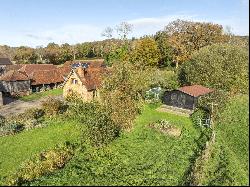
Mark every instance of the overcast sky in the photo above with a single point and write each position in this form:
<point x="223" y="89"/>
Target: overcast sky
<point x="39" y="22"/>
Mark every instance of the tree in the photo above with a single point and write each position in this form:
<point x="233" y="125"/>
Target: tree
<point x="166" y="50"/>
<point x="219" y="66"/>
<point x="108" y="32"/>
<point x="123" y="29"/>
<point x="187" y="37"/>
<point x="119" y="96"/>
<point x="25" y="55"/>
<point x="52" y="53"/>
<point x="66" y="53"/>
<point x="145" y="52"/>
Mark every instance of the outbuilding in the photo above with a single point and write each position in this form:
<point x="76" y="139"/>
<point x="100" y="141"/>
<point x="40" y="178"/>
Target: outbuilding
<point x="185" y="97"/>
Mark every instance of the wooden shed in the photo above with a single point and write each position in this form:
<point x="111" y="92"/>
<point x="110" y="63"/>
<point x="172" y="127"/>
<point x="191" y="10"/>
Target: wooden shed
<point x="185" y="97"/>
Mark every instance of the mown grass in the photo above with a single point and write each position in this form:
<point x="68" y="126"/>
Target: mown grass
<point x="38" y="95"/>
<point x="229" y="164"/>
<point x="143" y="156"/>
<point x="20" y="147"/>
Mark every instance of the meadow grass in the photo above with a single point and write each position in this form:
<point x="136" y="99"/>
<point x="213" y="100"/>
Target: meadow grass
<point x="143" y="156"/>
<point x="20" y="147"/>
<point x="229" y="163"/>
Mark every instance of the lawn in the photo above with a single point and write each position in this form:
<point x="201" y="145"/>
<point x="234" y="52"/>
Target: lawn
<point x="229" y="164"/>
<point x="38" y="95"/>
<point x="16" y="149"/>
<point x="143" y="156"/>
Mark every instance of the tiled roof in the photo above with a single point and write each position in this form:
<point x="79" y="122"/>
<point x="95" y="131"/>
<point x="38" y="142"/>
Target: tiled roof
<point x="91" y="77"/>
<point x="13" y="67"/>
<point x="46" y="77"/>
<point x="14" y="75"/>
<point x="64" y="70"/>
<point x="5" y="61"/>
<point x="195" y="90"/>
<point x="30" y="68"/>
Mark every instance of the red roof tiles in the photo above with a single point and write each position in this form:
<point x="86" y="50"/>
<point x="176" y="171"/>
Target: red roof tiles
<point x="14" y="75"/>
<point x="195" y="90"/>
<point x="90" y="77"/>
<point x="30" y="68"/>
<point x="46" y="77"/>
<point x="64" y="71"/>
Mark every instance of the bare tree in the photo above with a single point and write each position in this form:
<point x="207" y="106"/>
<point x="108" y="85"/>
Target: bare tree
<point x="108" y="32"/>
<point x="124" y="29"/>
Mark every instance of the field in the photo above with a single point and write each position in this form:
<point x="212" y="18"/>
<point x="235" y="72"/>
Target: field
<point x="38" y="95"/>
<point x="16" y="149"/>
<point x="229" y="164"/>
<point x="141" y="157"/>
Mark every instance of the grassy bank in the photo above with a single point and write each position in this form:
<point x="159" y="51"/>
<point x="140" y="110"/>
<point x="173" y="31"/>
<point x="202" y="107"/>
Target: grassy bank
<point x="229" y="163"/>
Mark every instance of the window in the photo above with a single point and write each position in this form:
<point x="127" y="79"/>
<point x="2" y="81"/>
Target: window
<point x="74" y="81"/>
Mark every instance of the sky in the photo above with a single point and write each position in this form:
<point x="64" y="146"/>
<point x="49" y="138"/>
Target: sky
<point x="38" y="22"/>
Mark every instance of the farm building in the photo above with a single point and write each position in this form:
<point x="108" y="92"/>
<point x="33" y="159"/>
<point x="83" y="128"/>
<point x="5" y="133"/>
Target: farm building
<point x="15" y="83"/>
<point x="3" y="63"/>
<point x="84" y="81"/>
<point x="39" y="76"/>
<point x="185" y="97"/>
<point x="42" y="76"/>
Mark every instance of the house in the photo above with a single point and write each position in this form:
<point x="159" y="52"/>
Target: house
<point x="15" y="83"/>
<point x="185" y="97"/>
<point x="84" y="81"/>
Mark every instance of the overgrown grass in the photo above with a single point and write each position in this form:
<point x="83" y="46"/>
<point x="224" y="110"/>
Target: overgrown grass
<point x="229" y="164"/>
<point x="18" y="148"/>
<point x="38" y="95"/>
<point x="141" y="157"/>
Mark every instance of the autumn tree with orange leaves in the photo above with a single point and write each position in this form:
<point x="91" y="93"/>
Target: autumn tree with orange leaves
<point x="186" y="37"/>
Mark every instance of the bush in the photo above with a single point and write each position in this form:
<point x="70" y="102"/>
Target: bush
<point x="223" y="67"/>
<point x="43" y="163"/>
<point x="98" y="127"/>
<point x="10" y="128"/>
<point x="31" y="118"/>
<point x="53" y="107"/>
<point x="197" y="115"/>
<point x="2" y="121"/>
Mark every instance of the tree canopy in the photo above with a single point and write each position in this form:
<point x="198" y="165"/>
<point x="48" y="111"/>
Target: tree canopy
<point x="220" y="66"/>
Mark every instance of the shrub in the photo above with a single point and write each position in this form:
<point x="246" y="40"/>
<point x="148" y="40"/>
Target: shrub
<point x="43" y="163"/>
<point x="31" y="118"/>
<point x="10" y="128"/>
<point x="53" y="107"/>
<point x="101" y="129"/>
<point x="197" y="115"/>
<point x="2" y="121"/>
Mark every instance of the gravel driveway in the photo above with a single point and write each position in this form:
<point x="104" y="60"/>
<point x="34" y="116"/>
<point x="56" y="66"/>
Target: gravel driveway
<point x="18" y="106"/>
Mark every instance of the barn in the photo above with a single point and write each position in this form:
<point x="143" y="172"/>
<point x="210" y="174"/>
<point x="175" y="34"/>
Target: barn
<point x="185" y="97"/>
<point x="15" y="83"/>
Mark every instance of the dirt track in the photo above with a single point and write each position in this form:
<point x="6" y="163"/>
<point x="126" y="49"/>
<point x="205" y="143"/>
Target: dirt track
<point x="18" y="106"/>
